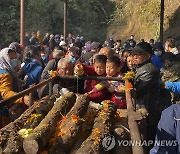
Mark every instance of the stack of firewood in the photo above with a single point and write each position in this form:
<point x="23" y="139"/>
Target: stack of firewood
<point x="66" y="125"/>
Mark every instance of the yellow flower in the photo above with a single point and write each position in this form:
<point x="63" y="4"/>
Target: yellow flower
<point x="24" y="132"/>
<point x="129" y="75"/>
<point x="53" y="73"/>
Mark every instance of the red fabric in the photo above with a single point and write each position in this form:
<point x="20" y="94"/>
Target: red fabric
<point x="121" y="103"/>
<point x="50" y="56"/>
<point x="99" y="96"/>
<point x="90" y="84"/>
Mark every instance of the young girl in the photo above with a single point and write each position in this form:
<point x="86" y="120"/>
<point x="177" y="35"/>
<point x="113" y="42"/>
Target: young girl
<point x="129" y="62"/>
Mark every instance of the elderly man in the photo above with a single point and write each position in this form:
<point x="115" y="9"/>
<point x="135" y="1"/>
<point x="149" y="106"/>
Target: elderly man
<point x="62" y="86"/>
<point x="147" y="85"/>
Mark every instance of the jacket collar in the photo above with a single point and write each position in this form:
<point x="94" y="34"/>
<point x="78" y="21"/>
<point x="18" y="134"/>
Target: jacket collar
<point x="148" y="61"/>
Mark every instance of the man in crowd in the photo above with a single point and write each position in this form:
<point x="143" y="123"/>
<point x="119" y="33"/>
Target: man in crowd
<point x="147" y="85"/>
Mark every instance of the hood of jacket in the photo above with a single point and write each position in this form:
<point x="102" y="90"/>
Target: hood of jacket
<point x="29" y="66"/>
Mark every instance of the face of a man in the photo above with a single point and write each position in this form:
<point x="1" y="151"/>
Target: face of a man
<point x="65" y="69"/>
<point x="139" y="58"/>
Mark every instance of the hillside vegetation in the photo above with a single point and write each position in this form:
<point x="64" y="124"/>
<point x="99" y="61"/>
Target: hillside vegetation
<point x="142" y="18"/>
<point x="94" y="19"/>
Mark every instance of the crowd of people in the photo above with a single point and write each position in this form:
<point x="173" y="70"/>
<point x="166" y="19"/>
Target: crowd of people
<point x="156" y="67"/>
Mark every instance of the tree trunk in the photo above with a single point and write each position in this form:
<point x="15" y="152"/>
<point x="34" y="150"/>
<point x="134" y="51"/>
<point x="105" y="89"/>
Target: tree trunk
<point x="40" y="136"/>
<point x="101" y="129"/>
<point x="7" y="131"/>
<point x="89" y="117"/>
<point x="15" y="140"/>
<point x="70" y="128"/>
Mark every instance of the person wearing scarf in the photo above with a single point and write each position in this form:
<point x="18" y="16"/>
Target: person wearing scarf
<point x="9" y="83"/>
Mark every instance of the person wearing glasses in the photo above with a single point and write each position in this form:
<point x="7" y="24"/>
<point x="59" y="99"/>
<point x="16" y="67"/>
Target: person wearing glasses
<point x="147" y="85"/>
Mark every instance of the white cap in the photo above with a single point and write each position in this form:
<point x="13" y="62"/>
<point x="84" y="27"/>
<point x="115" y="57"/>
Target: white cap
<point x="62" y="43"/>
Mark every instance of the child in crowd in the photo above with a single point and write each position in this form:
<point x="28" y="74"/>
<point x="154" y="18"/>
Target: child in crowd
<point x="113" y="67"/>
<point x="97" y="69"/>
<point x="129" y="62"/>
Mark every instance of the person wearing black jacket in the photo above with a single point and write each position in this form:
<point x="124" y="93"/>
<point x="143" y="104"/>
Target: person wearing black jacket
<point x="146" y="82"/>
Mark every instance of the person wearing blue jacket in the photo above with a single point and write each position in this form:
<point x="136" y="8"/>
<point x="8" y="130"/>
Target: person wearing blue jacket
<point x="173" y="87"/>
<point x="168" y="133"/>
<point x="156" y="57"/>
<point x="32" y="68"/>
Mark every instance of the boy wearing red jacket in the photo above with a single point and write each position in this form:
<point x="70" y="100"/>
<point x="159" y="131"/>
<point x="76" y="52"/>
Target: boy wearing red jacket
<point x="97" y="69"/>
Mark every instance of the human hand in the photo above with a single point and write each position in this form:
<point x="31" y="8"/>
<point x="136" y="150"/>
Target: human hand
<point x="78" y="70"/>
<point x="107" y="84"/>
<point x="88" y="93"/>
<point x="143" y="112"/>
<point x="53" y="73"/>
<point x="26" y="100"/>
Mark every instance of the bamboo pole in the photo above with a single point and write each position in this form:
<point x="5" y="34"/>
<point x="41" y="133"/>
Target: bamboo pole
<point x="35" y="87"/>
<point x="24" y="92"/>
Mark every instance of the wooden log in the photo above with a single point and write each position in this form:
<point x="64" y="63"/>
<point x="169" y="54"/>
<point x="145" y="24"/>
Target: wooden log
<point x="40" y="112"/>
<point x="40" y="136"/>
<point x="69" y="129"/>
<point x="6" y="132"/>
<point x="89" y="117"/>
<point x="15" y="140"/>
<point x="101" y="129"/>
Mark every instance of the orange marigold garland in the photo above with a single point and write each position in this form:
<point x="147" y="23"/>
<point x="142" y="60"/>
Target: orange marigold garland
<point x="128" y="86"/>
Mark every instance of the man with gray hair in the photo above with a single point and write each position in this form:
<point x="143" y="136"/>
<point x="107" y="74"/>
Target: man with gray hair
<point x="62" y="86"/>
<point x="52" y="64"/>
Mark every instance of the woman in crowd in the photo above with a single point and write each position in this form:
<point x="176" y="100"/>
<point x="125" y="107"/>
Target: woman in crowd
<point x="9" y="86"/>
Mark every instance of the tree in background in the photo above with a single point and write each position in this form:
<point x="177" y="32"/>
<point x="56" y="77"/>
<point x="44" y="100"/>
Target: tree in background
<point x="88" y="18"/>
<point x="9" y="22"/>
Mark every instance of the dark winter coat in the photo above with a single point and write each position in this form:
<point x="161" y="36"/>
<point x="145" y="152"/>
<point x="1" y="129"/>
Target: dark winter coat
<point x="147" y="81"/>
